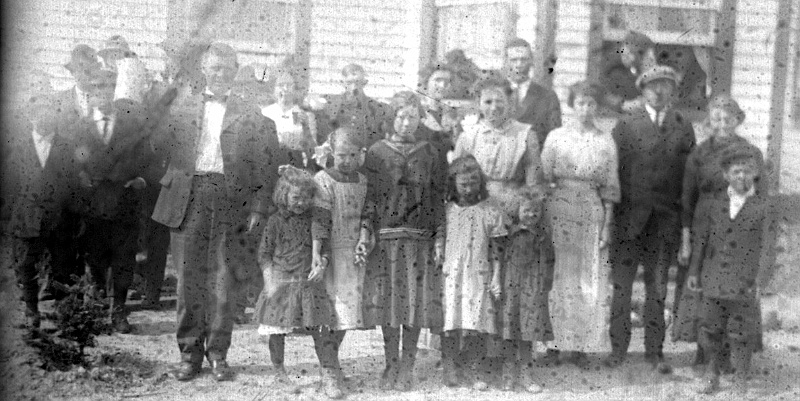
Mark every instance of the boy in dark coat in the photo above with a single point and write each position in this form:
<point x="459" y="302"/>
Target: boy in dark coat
<point x="38" y="180"/>
<point x="728" y="236"/>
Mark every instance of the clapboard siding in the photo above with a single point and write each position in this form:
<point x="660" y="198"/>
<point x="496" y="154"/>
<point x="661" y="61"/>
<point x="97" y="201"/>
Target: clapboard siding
<point x="527" y="12"/>
<point x="372" y="33"/>
<point x="753" y="66"/>
<point x="572" y="45"/>
<point x="49" y="29"/>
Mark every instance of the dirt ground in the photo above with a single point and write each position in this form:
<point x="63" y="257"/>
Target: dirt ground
<point x="137" y="366"/>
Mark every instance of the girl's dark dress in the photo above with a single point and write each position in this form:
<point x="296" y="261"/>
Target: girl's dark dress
<point x="405" y="203"/>
<point x="289" y="302"/>
<point x="524" y="312"/>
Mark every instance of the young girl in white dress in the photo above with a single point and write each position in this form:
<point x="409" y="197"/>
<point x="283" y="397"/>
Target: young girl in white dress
<point x="472" y="253"/>
<point x="338" y="226"/>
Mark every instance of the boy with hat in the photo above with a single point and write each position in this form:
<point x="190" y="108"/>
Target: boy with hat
<point x="728" y="233"/>
<point x="654" y="143"/>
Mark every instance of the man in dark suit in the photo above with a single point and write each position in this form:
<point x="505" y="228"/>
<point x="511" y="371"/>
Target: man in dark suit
<point x="218" y="187"/>
<point x="653" y="144"/>
<point x="535" y="104"/>
<point x="112" y="157"/>
<point x="355" y="109"/>
<point x="38" y="181"/>
<point x="71" y="105"/>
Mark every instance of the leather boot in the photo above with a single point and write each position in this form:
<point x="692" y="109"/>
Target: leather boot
<point x="509" y="374"/>
<point x="391" y="345"/>
<point x="405" y="380"/>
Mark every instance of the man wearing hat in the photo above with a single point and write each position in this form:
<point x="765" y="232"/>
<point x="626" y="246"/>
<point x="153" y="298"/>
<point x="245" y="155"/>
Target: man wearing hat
<point x="74" y="102"/>
<point x="654" y="143"/>
<point x="631" y="57"/>
<point x="70" y="105"/>
<point x="112" y="162"/>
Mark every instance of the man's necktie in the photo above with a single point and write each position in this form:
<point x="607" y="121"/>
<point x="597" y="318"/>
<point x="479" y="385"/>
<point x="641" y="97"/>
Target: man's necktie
<point x="106" y="132"/>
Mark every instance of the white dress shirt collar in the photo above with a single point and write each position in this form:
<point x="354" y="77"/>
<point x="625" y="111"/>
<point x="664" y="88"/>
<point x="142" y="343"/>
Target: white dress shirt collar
<point x="82" y="99"/>
<point x="43" y="144"/>
<point x="105" y="124"/>
<point x="653" y="113"/>
<point x="738" y="200"/>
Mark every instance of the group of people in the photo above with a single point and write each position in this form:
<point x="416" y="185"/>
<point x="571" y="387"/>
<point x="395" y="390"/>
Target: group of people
<point x="495" y="230"/>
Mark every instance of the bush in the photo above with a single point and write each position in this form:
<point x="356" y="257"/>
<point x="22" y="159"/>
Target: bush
<point x="78" y="321"/>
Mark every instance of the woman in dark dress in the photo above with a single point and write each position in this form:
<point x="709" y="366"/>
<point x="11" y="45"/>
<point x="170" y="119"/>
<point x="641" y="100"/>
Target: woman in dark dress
<point x="702" y="179"/>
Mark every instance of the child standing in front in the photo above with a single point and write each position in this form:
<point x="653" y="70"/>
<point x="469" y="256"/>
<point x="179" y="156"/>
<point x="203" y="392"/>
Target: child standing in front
<point x="472" y="255"/>
<point x="728" y="233"/>
<point x="524" y="314"/>
<point x="403" y="288"/>
<point x="338" y="226"/>
<point x="294" y="298"/>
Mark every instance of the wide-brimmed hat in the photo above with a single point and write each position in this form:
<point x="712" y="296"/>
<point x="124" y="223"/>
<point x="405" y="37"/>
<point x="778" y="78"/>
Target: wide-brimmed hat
<point x="658" y="72"/>
<point x="82" y="58"/>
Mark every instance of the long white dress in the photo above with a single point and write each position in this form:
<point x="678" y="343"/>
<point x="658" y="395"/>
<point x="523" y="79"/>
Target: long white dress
<point x="468" y="304"/>
<point x="344" y="280"/>
<point x="584" y="169"/>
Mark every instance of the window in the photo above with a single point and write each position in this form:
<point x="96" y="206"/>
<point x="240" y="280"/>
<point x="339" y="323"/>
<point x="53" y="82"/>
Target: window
<point x="684" y="22"/>
<point x="693" y="36"/>
<point x="479" y="27"/>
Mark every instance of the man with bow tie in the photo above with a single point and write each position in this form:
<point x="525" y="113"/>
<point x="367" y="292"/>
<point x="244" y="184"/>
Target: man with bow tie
<point x="216" y="191"/>
<point x="111" y="157"/>
<point x="653" y="144"/>
<point x="38" y="181"/>
<point x="535" y="104"/>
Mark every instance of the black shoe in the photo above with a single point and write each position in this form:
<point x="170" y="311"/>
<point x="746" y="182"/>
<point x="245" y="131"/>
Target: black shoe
<point x="220" y="370"/>
<point x="32" y="318"/>
<point x="614" y="359"/>
<point x="551" y="358"/>
<point x="659" y="363"/>
<point x="187" y="371"/>
<point x="121" y="325"/>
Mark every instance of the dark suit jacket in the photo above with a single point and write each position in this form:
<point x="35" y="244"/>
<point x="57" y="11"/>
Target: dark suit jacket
<point x="541" y="109"/>
<point x="36" y="196"/>
<point x="250" y="160"/>
<point x="110" y="166"/>
<point x="651" y="168"/>
<point x="726" y="252"/>
<point x="366" y="115"/>
<point x="65" y="103"/>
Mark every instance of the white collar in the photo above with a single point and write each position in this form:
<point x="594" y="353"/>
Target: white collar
<point x="653" y="113"/>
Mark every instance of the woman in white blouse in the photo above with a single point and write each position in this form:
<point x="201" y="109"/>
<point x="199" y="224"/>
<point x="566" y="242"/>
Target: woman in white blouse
<point x="297" y="128"/>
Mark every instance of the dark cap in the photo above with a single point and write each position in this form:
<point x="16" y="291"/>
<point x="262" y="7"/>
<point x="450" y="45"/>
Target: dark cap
<point x="738" y="153"/>
<point x="638" y="40"/>
<point x="82" y="59"/>
<point x="658" y="72"/>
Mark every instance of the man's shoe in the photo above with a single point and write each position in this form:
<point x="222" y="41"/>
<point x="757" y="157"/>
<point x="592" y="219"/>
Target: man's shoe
<point x="659" y="363"/>
<point x="121" y="325"/>
<point x="220" y="370"/>
<point x="709" y="384"/>
<point x="187" y="371"/>
<point x="614" y="359"/>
